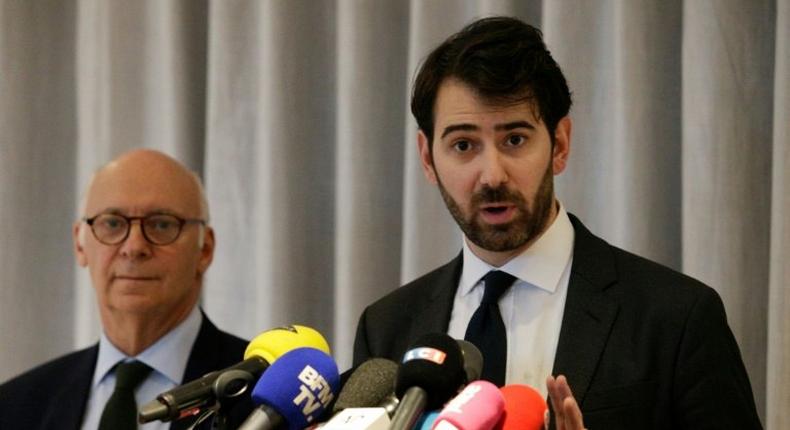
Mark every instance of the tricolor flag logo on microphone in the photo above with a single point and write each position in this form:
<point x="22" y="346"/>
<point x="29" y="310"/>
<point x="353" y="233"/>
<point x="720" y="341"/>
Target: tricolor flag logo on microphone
<point x="425" y="353"/>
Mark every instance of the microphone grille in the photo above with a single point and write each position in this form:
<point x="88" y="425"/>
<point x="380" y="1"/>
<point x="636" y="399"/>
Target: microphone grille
<point x="368" y="385"/>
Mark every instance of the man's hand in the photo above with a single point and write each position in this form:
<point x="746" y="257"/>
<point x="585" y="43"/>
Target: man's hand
<point x="566" y="410"/>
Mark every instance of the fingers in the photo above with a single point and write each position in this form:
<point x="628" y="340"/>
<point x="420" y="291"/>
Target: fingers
<point x="546" y="420"/>
<point x="566" y="410"/>
<point x="558" y="390"/>
<point x="572" y="415"/>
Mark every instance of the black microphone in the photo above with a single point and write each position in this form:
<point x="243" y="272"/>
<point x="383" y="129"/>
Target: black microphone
<point x="473" y="360"/>
<point x="431" y="372"/>
<point x="193" y="397"/>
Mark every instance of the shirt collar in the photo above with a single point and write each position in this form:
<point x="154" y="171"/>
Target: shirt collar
<point x="167" y="356"/>
<point x="540" y="265"/>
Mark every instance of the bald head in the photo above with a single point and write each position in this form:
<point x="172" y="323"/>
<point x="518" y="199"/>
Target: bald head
<point x="150" y="166"/>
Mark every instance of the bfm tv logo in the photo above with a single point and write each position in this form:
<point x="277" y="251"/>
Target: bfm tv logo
<point x="425" y="353"/>
<point x="314" y="393"/>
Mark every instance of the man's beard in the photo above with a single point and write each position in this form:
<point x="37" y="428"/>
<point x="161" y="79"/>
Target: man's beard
<point x="525" y="226"/>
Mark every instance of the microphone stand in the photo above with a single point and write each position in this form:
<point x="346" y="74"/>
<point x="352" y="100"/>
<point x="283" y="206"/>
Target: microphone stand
<point x="228" y="389"/>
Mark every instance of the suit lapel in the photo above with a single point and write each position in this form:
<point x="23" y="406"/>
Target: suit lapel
<point x="70" y="394"/>
<point x="203" y="359"/>
<point x="433" y="315"/>
<point x="589" y="313"/>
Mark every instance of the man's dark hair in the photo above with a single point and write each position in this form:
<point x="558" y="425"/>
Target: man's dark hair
<point x="504" y="60"/>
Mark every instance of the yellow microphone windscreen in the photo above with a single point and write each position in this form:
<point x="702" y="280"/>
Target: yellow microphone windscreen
<point x="271" y="344"/>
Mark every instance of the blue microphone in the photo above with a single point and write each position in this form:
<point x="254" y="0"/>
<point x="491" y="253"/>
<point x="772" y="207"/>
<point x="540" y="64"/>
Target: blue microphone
<point x="294" y="391"/>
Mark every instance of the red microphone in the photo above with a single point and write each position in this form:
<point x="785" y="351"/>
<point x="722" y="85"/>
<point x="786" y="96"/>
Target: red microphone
<point x="524" y="408"/>
<point x="479" y="406"/>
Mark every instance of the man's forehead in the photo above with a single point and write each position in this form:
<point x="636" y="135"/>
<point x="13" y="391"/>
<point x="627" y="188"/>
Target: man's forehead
<point x="457" y="101"/>
<point x="137" y="192"/>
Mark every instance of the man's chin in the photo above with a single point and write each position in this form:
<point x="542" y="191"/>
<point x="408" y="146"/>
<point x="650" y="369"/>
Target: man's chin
<point x="499" y="239"/>
<point x="133" y="304"/>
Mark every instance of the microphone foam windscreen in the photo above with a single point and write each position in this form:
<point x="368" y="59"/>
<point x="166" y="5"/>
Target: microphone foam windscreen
<point x="299" y="386"/>
<point x="473" y="360"/>
<point x="479" y="406"/>
<point x="433" y="363"/>
<point x="524" y="408"/>
<point x="271" y="344"/>
<point x="368" y="386"/>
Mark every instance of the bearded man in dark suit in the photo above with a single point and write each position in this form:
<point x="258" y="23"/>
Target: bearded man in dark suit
<point x="641" y="345"/>
<point x="145" y="239"/>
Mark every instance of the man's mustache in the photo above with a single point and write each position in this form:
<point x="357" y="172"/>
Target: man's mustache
<point x="500" y="194"/>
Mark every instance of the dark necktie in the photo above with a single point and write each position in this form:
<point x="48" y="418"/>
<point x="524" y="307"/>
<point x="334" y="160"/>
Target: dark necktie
<point x="487" y="330"/>
<point x="120" y="412"/>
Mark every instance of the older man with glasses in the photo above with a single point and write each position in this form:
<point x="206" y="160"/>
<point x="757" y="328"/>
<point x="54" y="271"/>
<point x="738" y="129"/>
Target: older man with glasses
<point x="145" y="239"/>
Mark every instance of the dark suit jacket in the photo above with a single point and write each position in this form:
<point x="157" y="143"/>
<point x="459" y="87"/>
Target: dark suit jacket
<point x="54" y="395"/>
<point x="642" y="346"/>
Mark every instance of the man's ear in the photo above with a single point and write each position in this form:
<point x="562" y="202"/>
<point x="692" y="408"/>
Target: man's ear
<point x="426" y="158"/>
<point x="76" y="237"/>
<point x="206" y="250"/>
<point x="562" y="145"/>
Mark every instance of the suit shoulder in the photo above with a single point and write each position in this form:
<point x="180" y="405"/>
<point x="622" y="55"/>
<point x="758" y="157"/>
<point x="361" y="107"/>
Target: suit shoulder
<point x="47" y="372"/>
<point x="633" y="266"/>
<point x="31" y="390"/>
<point x="414" y="292"/>
<point x="657" y="285"/>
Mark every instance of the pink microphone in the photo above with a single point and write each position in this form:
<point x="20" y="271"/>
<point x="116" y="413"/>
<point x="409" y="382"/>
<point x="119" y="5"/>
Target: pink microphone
<point x="524" y="408"/>
<point x="479" y="406"/>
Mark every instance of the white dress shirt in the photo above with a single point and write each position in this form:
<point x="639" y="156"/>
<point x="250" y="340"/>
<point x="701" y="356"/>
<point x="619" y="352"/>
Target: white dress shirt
<point x="532" y="308"/>
<point x="167" y="357"/>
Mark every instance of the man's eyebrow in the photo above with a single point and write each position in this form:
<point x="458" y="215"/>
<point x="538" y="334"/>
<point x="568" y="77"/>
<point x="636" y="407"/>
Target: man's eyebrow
<point x="458" y="127"/>
<point x="514" y="125"/>
<point x="499" y="127"/>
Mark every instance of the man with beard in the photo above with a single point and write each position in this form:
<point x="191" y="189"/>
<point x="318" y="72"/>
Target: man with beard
<point x="642" y="346"/>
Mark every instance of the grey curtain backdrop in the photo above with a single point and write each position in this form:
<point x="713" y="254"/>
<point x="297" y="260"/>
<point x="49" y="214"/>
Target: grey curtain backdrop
<point x="296" y="115"/>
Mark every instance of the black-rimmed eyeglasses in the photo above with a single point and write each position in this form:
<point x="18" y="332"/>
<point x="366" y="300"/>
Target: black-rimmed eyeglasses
<point x="158" y="229"/>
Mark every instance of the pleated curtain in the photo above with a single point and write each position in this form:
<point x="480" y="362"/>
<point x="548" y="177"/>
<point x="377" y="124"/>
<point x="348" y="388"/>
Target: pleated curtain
<point x="295" y="113"/>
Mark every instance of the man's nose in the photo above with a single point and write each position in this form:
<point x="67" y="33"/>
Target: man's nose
<point x="493" y="172"/>
<point x="136" y="245"/>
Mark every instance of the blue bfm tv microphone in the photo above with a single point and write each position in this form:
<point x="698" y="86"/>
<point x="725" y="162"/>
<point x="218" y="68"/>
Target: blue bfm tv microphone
<point x="294" y="391"/>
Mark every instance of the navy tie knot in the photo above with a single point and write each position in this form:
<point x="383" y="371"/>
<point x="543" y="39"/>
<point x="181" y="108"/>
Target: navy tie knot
<point x="496" y="283"/>
<point x="128" y="375"/>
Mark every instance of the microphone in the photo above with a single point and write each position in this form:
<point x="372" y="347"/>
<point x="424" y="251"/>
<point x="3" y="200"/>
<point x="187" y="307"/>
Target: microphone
<point x="191" y="398"/>
<point x="478" y="407"/>
<point x="431" y="372"/>
<point x="294" y="391"/>
<point x="524" y="408"/>
<point x="473" y="360"/>
<point x="372" y="384"/>
<point x="363" y="401"/>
